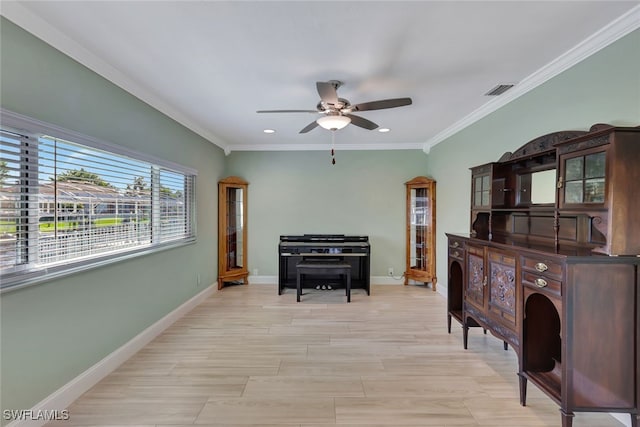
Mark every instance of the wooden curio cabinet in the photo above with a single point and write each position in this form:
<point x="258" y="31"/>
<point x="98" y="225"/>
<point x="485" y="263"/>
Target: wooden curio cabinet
<point x="421" y="224"/>
<point x="232" y="231"/>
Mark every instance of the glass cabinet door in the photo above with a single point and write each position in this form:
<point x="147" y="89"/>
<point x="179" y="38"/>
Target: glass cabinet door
<point x="481" y="191"/>
<point x="584" y="179"/>
<point x="235" y="228"/>
<point x="419" y="225"/>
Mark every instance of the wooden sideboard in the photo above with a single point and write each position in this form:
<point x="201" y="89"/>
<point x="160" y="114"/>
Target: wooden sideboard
<point x="555" y="272"/>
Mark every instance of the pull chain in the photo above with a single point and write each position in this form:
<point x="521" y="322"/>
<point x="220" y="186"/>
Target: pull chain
<point x="333" y="151"/>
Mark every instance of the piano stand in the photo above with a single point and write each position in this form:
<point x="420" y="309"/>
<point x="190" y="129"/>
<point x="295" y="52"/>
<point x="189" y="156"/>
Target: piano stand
<point x="323" y="268"/>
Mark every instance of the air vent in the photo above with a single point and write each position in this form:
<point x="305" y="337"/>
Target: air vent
<point x="499" y="90"/>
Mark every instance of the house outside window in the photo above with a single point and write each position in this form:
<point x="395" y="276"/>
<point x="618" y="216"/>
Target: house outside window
<point x="64" y="205"/>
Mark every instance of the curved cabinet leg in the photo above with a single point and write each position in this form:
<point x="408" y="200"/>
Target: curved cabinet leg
<point x="522" y="382"/>
<point x="465" y="335"/>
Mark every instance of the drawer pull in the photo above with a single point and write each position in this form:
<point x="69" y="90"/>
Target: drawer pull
<point x="456" y="244"/>
<point x="456" y="254"/>
<point x="540" y="282"/>
<point x="541" y="267"/>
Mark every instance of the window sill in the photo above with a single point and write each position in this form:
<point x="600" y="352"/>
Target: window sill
<point x="30" y="278"/>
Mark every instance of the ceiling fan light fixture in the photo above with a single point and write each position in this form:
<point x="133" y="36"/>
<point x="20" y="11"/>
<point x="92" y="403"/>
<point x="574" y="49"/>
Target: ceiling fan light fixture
<point x="333" y="122"/>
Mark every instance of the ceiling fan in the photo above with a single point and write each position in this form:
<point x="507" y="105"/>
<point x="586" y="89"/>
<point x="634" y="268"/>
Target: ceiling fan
<point x="337" y="112"/>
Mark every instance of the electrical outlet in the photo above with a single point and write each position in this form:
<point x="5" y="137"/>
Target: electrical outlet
<point x="390" y="271"/>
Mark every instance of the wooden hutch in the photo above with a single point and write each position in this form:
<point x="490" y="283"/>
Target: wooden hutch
<point x="551" y="266"/>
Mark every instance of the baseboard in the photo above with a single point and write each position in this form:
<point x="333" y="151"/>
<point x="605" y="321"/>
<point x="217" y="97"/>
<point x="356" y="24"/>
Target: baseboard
<point x="263" y="280"/>
<point x="387" y="280"/>
<point x="67" y="394"/>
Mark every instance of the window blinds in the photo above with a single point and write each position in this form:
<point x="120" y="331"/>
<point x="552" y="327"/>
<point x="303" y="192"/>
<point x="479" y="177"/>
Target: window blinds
<point x="63" y="202"/>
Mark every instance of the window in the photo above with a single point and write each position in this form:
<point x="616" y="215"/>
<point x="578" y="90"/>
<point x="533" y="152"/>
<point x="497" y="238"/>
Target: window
<point x="65" y="205"/>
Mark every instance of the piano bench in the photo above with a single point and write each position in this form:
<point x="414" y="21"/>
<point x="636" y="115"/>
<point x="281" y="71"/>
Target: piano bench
<point x="323" y="268"/>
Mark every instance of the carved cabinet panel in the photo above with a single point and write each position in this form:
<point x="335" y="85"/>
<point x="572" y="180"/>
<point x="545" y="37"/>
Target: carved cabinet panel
<point x="476" y="279"/>
<point x="502" y="287"/>
<point x="491" y="292"/>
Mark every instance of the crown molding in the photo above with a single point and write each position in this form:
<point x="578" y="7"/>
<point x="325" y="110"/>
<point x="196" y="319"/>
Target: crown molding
<point x="614" y="31"/>
<point x="21" y="16"/>
<point x="324" y="147"/>
<point x="17" y="13"/>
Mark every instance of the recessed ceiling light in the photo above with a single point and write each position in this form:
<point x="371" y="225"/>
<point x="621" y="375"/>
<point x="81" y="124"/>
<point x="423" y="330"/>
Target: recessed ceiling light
<point x="384" y="130"/>
<point x="269" y="131"/>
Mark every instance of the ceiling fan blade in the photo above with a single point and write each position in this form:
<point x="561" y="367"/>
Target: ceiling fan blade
<point x="309" y="127"/>
<point x="287" y="111"/>
<point x="327" y="92"/>
<point x="382" y="104"/>
<point x="362" y="122"/>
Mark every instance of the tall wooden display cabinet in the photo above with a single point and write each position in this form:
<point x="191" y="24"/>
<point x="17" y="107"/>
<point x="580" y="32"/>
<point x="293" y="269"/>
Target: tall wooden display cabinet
<point x="421" y="231"/>
<point x="232" y="231"/>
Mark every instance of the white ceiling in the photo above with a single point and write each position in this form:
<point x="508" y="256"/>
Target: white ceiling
<point x="211" y="64"/>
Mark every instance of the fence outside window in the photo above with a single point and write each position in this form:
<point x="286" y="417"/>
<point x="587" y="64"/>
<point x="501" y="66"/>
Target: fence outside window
<point x="65" y="202"/>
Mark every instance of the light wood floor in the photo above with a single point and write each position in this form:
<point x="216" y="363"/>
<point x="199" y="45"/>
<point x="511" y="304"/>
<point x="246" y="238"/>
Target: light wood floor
<point x="247" y="356"/>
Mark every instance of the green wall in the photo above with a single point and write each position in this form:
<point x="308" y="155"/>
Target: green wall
<point x="604" y="88"/>
<point x="52" y="332"/>
<point x="302" y="192"/>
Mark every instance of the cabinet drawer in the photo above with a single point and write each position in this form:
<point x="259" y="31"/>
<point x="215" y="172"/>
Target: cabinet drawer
<point x="456" y="243"/>
<point x="543" y="267"/>
<point x="504" y="258"/>
<point x="457" y="253"/>
<point x="541" y="283"/>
